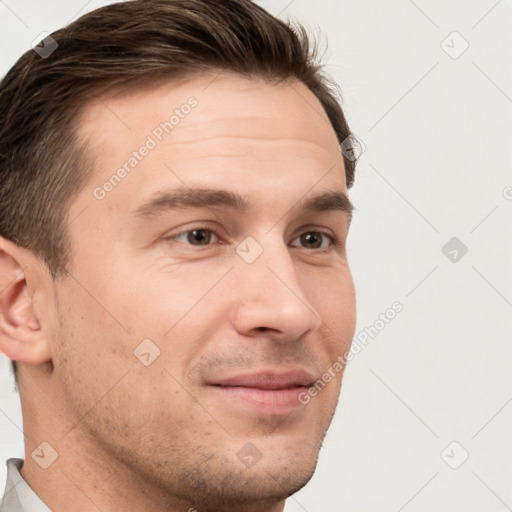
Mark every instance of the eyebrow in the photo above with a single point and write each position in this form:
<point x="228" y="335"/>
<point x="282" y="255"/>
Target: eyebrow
<point x="186" y="197"/>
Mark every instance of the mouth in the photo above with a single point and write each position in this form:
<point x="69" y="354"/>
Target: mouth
<point x="268" y="392"/>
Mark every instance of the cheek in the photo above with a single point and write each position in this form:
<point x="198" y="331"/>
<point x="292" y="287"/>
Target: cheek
<point x="159" y="300"/>
<point x="93" y="349"/>
<point x="103" y="384"/>
<point x="179" y="310"/>
<point x="334" y="300"/>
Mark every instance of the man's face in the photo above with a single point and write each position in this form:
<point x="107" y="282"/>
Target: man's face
<point x="241" y="310"/>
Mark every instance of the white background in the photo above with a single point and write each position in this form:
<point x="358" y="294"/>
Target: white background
<point x="437" y="161"/>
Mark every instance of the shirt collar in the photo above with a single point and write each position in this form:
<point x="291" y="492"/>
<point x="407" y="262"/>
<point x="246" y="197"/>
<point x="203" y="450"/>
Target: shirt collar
<point x="19" y="497"/>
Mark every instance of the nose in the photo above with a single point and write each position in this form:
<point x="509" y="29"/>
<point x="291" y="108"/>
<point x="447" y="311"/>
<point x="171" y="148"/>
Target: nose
<point x="270" y="297"/>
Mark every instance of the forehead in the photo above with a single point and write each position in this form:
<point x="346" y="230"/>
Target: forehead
<point x="224" y="129"/>
<point x="225" y="105"/>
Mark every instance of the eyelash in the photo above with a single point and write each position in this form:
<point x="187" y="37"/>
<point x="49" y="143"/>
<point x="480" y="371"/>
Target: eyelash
<point x="333" y="239"/>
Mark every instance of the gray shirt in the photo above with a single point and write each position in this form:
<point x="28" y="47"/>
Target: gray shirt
<point x="18" y="496"/>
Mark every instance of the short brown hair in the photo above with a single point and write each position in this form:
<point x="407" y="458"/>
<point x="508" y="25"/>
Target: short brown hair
<point x="127" y="45"/>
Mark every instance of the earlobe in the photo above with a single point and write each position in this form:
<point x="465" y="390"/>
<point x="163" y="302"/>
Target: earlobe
<point x="21" y="336"/>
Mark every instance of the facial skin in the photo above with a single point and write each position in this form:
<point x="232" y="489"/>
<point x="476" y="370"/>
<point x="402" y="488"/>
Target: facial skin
<point x="166" y="436"/>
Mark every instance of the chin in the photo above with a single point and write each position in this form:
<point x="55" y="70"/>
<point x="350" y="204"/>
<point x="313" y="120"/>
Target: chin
<point x="280" y="473"/>
<point x="262" y="489"/>
<point x="224" y="482"/>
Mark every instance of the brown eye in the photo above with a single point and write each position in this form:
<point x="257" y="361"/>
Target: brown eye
<point x="195" y="236"/>
<point x="312" y="240"/>
<point x="315" y="240"/>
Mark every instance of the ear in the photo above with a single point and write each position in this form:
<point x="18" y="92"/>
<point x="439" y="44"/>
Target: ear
<point x="21" y="336"/>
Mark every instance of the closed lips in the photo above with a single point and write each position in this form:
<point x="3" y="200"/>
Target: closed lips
<point x="269" y="380"/>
